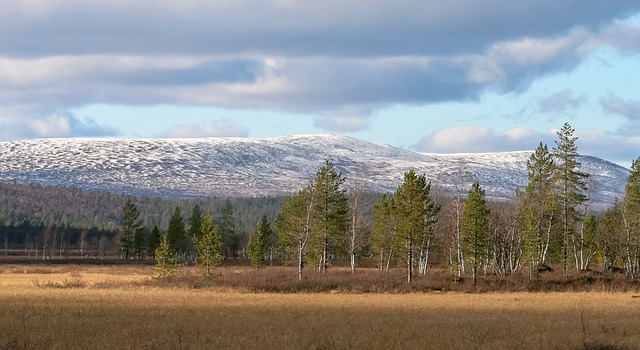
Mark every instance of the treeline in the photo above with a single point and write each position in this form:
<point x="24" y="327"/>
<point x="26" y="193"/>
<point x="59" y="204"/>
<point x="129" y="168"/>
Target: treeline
<point x="549" y="224"/>
<point x="29" y="212"/>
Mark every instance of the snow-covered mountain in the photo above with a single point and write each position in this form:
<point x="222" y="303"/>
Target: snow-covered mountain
<point x="239" y="167"/>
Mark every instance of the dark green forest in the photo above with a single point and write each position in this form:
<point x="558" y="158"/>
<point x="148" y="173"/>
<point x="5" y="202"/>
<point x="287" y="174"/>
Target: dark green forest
<point x="28" y="211"/>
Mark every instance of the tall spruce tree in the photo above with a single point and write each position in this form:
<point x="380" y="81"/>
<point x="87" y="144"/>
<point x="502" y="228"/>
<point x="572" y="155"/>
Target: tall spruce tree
<point x="176" y="234"/>
<point x="195" y="222"/>
<point x="414" y="209"/>
<point x="537" y="207"/>
<point x="227" y="228"/>
<point x="153" y="241"/>
<point x="571" y="186"/>
<point x="131" y="224"/>
<point x="631" y="218"/>
<point x="475" y="229"/>
<point x="259" y="242"/>
<point x="330" y="215"/>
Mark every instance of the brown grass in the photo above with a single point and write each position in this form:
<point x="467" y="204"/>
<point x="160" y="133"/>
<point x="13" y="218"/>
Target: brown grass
<point x="125" y="308"/>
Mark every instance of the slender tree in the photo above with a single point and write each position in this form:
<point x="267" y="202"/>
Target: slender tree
<point x="166" y="258"/>
<point x="537" y="210"/>
<point x="383" y="236"/>
<point x="259" y="242"/>
<point x="176" y="234"/>
<point x="209" y="245"/>
<point x="294" y="224"/>
<point x="415" y="213"/>
<point x="330" y="214"/>
<point x="475" y="229"/>
<point x="631" y="219"/>
<point x="153" y="241"/>
<point x="195" y="222"/>
<point x="131" y="224"/>
<point x="227" y="228"/>
<point x="357" y="234"/>
<point x="570" y="188"/>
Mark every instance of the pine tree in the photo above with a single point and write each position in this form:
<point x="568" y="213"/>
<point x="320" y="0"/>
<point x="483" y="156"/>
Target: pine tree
<point x="330" y="215"/>
<point x="176" y="234"/>
<point x="259" y="243"/>
<point x="415" y="212"/>
<point x="227" y="228"/>
<point x="294" y="225"/>
<point x="570" y="188"/>
<point x="475" y="229"/>
<point x="130" y="225"/>
<point x="138" y="243"/>
<point x="209" y="245"/>
<point x="537" y="209"/>
<point x="631" y="217"/>
<point x="195" y="222"/>
<point x="153" y="241"/>
<point x="166" y="258"/>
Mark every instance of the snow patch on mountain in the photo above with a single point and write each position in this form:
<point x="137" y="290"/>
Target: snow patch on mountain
<point x="240" y="167"/>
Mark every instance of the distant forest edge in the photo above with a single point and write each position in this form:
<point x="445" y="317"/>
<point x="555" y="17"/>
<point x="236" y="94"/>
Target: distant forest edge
<point x="29" y="210"/>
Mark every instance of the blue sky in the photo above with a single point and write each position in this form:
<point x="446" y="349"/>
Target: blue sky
<point x="430" y="76"/>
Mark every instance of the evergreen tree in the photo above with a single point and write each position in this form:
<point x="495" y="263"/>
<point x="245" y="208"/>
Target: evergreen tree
<point x="631" y="217"/>
<point x="384" y="231"/>
<point x="475" y="229"/>
<point x="166" y="258"/>
<point x="294" y="225"/>
<point x="195" y="222"/>
<point x="259" y="243"/>
<point x="570" y="188"/>
<point x="330" y="214"/>
<point x="176" y="234"/>
<point x="138" y="243"/>
<point x="209" y="244"/>
<point x="415" y="212"/>
<point x="227" y="228"/>
<point x="130" y="225"/>
<point x="153" y="241"/>
<point x="536" y="208"/>
<point x="611" y="235"/>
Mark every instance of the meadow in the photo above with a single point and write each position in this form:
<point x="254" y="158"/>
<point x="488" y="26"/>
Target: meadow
<point x="125" y="307"/>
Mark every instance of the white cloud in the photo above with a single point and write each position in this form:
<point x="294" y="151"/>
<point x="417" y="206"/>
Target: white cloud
<point x="471" y="138"/>
<point x="52" y="126"/>
<point x="215" y="129"/>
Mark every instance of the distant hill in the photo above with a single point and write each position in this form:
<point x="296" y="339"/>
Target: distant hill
<point x="248" y="167"/>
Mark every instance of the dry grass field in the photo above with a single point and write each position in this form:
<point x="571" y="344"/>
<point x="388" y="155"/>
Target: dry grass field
<point x="95" y="307"/>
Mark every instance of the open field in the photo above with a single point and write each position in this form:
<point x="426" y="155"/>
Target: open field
<point x="81" y="307"/>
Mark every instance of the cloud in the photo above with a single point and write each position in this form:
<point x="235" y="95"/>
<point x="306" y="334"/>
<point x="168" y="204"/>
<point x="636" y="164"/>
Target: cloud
<point x="608" y="146"/>
<point x="321" y="58"/>
<point x="470" y="138"/>
<point x="285" y="28"/>
<point x="215" y="129"/>
<point x="66" y="125"/>
<point x="630" y="109"/>
<point x="560" y="102"/>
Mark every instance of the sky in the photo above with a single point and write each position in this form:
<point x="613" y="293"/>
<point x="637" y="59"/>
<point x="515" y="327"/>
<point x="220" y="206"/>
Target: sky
<point x="424" y="75"/>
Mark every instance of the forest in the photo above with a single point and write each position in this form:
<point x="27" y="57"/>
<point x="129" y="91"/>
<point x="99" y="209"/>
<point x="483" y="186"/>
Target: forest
<point x="333" y="222"/>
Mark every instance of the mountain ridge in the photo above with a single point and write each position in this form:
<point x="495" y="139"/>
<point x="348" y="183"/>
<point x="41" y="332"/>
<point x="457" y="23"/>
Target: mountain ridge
<point x="249" y="167"/>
